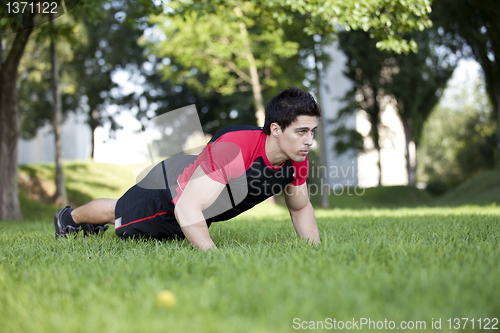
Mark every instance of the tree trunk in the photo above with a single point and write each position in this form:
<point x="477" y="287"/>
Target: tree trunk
<point x="322" y="143"/>
<point x="60" y="197"/>
<point x="260" y="113"/>
<point x="379" y="164"/>
<point x="93" y="122"/>
<point x="415" y="163"/>
<point x="498" y="123"/>
<point x="410" y="169"/>
<point x="254" y="74"/>
<point x="322" y="160"/>
<point x="374" y="133"/>
<point x="92" y="144"/>
<point x="10" y="208"/>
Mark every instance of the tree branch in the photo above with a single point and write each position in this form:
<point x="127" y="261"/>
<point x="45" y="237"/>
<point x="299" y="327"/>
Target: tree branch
<point x="232" y="66"/>
<point x="1" y="48"/>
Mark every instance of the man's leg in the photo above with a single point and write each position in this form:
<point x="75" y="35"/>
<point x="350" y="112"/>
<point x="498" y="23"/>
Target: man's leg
<point x="98" y="211"/>
<point x="90" y="217"/>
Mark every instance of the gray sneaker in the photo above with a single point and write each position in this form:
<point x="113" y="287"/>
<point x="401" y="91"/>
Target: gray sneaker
<point x="61" y="229"/>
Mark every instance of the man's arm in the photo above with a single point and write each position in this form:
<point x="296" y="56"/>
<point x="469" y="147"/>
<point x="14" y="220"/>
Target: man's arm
<point x="302" y="213"/>
<point x="199" y="194"/>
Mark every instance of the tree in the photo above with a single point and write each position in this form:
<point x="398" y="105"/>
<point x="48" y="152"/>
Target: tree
<point x="227" y="39"/>
<point x="238" y="42"/>
<point x="61" y="198"/>
<point x="102" y="49"/>
<point x="41" y="95"/>
<point x="417" y="83"/>
<point x="460" y="139"/>
<point x="475" y="25"/>
<point x="366" y="67"/>
<point x="109" y="45"/>
<point x="9" y="112"/>
<point x="9" y="120"/>
<point x="234" y="46"/>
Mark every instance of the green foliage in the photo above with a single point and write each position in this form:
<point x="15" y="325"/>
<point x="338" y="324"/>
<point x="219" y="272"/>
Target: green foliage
<point x="35" y="78"/>
<point x="90" y="49"/>
<point x="414" y="80"/>
<point x="27" y="18"/>
<point x="209" y="37"/>
<point x="437" y="187"/>
<point x="474" y="24"/>
<point x="110" y="45"/>
<point x="348" y="139"/>
<point x="187" y="82"/>
<point x="214" y="43"/>
<point x="477" y="151"/>
<point x="388" y="20"/>
<point x="459" y="137"/>
<point x="418" y="79"/>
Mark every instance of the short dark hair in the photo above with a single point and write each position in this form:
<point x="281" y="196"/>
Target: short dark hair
<point x="285" y="107"/>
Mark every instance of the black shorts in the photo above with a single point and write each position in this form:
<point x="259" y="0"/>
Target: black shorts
<point x="143" y="213"/>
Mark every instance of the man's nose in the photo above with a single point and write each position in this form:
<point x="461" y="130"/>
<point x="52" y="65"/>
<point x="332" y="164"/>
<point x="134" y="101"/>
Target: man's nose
<point x="309" y="138"/>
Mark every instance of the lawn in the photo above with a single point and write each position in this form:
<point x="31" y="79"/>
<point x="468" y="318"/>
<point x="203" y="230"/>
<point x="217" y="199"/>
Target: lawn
<point x="400" y="264"/>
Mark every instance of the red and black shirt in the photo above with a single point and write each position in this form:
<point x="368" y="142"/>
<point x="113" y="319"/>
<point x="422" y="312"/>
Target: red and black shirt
<point x="236" y="157"/>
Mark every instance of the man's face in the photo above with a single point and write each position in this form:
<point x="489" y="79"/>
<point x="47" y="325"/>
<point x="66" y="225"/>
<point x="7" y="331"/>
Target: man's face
<point x="297" y="138"/>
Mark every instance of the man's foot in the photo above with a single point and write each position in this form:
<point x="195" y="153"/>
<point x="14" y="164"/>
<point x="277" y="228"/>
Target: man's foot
<point x="61" y="229"/>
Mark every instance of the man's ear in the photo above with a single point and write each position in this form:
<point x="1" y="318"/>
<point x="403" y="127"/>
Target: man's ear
<point x="275" y="129"/>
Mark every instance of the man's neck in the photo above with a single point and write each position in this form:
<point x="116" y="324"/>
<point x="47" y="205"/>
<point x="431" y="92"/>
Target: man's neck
<point x="273" y="152"/>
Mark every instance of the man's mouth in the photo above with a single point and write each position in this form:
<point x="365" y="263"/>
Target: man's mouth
<point x="305" y="151"/>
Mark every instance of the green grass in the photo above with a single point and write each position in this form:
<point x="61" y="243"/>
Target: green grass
<point x="413" y="263"/>
<point x="87" y="180"/>
<point x="380" y="197"/>
<point x="483" y="189"/>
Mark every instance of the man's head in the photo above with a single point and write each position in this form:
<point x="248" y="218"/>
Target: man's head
<point x="285" y="107"/>
<point x="291" y="121"/>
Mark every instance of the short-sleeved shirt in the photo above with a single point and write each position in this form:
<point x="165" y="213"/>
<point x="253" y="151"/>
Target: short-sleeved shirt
<point x="235" y="157"/>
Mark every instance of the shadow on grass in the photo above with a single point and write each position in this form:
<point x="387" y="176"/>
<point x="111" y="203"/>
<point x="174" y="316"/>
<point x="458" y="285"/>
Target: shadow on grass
<point x="41" y="171"/>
